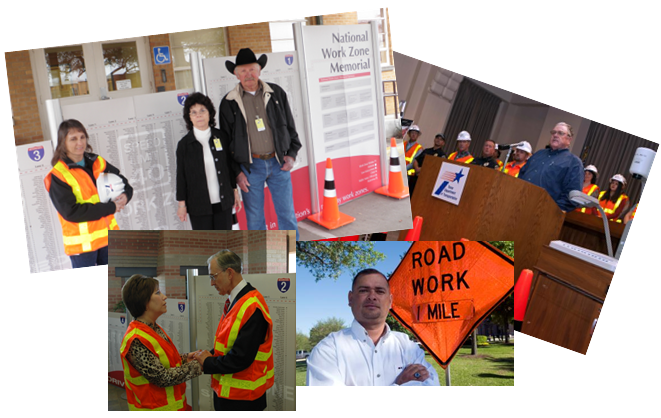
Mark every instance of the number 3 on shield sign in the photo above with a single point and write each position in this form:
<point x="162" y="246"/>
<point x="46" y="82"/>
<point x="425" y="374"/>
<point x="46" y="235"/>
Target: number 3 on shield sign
<point x="283" y="284"/>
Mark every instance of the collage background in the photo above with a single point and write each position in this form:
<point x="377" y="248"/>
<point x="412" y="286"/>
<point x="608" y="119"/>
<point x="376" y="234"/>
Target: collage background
<point x="594" y="59"/>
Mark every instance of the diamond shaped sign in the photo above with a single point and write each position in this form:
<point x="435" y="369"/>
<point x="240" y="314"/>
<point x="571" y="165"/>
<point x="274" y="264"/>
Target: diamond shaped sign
<point x="442" y="290"/>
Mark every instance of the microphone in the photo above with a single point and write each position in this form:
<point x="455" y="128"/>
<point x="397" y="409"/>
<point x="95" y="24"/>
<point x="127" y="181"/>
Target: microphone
<point x="508" y="146"/>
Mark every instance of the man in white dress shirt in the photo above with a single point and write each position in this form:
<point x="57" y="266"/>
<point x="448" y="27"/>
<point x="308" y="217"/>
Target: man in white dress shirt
<point x="369" y="353"/>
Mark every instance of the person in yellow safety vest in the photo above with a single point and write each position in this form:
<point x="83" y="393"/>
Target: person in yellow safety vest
<point x="71" y="185"/>
<point x="462" y="154"/>
<point x="155" y="374"/>
<point x="629" y="216"/>
<point x="614" y="201"/>
<point x="590" y="187"/>
<point x="412" y="149"/>
<point x="241" y="361"/>
<point x="521" y="155"/>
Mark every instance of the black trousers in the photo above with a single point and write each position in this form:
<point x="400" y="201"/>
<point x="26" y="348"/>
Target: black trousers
<point x="222" y="404"/>
<point x="219" y="219"/>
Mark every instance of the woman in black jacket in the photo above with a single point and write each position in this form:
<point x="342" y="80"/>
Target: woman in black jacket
<point x="206" y="179"/>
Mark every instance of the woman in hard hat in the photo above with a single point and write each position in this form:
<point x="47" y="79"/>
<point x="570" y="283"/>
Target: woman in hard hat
<point x="590" y="187"/>
<point x="206" y="184"/>
<point x="154" y="371"/>
<point x="614" y="201"/>
<point x="72" y="187"/>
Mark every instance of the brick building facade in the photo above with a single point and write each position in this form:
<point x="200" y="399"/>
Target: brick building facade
<point x="24" y="91"/>
<point x="168" y="251"/>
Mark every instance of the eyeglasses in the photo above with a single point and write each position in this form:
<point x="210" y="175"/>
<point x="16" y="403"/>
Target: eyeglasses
<point x="215" y="276"/>
<point x="560" y="133"/>
<point x="201" y="112"/>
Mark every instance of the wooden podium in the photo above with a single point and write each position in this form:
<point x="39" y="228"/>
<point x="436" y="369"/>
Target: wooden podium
<point x="494" y="207"/>
<point x="565" y="300"/>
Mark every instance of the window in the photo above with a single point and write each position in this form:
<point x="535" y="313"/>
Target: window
<point x="121" y="65"/>
<point x="89" y="72"/>
<point x="209" y="43"/>
<point x="365" y="16"/>
<point x="282" y="35"/>
<point x="65" y="67"/>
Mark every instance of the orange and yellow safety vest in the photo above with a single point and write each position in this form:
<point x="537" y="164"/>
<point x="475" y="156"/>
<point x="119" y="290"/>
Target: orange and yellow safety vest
<point x="251" y="383"/>
<point x="611" y="208"/>
<point x="82" y="237"/>
<point x="513" y="170"/>
<point x="140" y="393"/>
<point x="408" y="156"/>
<point x="589" y="190"/>
<point x="468" y="159"/>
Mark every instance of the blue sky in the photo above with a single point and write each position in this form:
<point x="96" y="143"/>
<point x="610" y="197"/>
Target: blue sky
<point x="327" y="298"/>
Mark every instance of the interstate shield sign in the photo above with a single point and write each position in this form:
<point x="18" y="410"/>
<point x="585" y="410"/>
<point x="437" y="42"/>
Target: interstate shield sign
<point x="442" y="290"/>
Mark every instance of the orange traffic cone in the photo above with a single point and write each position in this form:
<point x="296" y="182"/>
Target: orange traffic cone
<point x="395" y="187"/>
<point x="330" y="216"/>
<point x="521" y="293"/>
<point x="414" y="234"/>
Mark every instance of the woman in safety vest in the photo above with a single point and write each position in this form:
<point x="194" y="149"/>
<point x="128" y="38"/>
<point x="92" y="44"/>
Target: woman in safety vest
<point x="71" y="185"/>
<point x="613" y="201"/>
<point x="154" y="371"/>
<point x="590" y="187"/>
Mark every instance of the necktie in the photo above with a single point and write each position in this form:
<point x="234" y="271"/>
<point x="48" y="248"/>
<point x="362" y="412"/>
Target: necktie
<point x="227" y="307"/>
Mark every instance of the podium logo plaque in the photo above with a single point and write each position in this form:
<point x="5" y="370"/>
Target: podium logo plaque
<point x="450" y="183"/>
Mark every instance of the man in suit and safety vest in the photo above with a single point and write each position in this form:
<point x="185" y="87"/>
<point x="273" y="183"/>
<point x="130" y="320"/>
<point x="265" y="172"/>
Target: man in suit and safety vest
<point x="241" y="362"/>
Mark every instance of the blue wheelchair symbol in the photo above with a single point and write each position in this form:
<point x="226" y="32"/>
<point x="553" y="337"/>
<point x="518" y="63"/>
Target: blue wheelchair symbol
<point x="162" y="55"/>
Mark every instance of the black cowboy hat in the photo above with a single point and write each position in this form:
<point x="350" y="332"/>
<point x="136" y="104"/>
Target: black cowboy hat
<point x="246" y="56"/>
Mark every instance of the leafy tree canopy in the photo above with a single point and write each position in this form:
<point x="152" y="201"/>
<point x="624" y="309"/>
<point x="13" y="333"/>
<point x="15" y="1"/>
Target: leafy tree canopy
<point x="331" y="259"/>
<point x="324" y="327"/>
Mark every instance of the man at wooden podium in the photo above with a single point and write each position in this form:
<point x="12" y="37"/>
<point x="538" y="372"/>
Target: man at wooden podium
<point x="556" y="169"/>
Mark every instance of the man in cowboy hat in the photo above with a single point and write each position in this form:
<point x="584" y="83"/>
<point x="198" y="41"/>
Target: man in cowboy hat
<point x="256" y="119"/>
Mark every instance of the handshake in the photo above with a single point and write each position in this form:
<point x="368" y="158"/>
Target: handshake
<point x="199" y="356"/>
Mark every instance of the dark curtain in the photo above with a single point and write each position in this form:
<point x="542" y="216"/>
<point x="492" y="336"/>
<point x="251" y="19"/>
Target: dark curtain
<point x="474" y="110"/>
<point x="612" y="151"/>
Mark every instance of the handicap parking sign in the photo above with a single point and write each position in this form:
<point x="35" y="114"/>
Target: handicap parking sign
<point x="161" y="55"/>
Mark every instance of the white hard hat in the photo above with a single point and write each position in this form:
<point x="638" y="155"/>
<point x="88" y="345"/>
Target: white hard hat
<point x="464" y="136"/>
<point x="620" y="178"/>
<point x="525" y="146"/>
<point x="414" y="128"/>
<point x="593" y="169"/>
<point x="109" y="186"/>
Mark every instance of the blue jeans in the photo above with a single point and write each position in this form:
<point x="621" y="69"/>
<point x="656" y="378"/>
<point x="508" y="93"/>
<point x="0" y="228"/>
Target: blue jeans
<point x="279" y="183"/>
<point x="92" y="258"/>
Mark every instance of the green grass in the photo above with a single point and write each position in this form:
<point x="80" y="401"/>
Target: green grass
<point x="492" y="366"/>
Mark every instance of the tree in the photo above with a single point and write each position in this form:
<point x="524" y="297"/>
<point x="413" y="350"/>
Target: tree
<point x="324" y="327"/>
<point x="302" y="342"/>
<point x="394" y="325"/>
<point x="331" y="259"/>
<point x="504" y="313"/>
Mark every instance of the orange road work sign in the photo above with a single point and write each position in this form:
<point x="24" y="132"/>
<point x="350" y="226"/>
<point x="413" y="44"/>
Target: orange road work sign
<point x="442" y="290"/>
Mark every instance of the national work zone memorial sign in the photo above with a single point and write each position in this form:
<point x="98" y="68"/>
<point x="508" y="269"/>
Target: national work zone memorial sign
<point x="442" y="290"/>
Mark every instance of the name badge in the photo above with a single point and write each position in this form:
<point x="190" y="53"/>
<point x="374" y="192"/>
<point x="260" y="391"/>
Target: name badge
<point x="217" y="144"/>
<point x="260" y="124"/>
